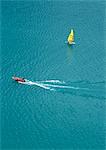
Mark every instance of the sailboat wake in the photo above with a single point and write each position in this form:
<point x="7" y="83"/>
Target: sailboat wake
<point x="80" y="88"/>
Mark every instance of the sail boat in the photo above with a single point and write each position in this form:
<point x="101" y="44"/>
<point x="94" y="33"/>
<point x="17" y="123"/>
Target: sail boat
<point x="70" y="39"/>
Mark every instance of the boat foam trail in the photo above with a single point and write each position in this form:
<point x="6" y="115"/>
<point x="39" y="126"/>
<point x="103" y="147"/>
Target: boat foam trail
<point x="44" y="84"/>
<point x="35" y="83"/>
<point x="52" y="81"/>
<point x="82" y="89"/>
<point x="67" y="87"/>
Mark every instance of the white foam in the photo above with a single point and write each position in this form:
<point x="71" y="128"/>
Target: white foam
<point x="51" y="81"/>
<point x="61" y="86"/>
<point x="43" y="84"/>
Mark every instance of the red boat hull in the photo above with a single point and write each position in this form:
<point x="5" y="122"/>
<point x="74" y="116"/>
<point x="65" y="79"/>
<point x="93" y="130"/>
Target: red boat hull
<point x="18" y="79"/>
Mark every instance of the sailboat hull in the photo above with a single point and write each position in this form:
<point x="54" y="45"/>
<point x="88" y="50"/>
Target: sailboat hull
<point x="70" y="39"/>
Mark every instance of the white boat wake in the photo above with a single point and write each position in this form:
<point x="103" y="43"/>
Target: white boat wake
<point x="85" y="89"/>
<point x="49" y="84"/>
<point x="43" y="84"/>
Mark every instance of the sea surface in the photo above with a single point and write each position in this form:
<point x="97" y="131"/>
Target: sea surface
<point x="62" y="103"/>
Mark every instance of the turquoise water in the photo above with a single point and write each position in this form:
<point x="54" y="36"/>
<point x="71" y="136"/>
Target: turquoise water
<point x="62" y="105"/>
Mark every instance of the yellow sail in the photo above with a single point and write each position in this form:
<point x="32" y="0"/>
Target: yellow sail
<point x="71" y="37"/>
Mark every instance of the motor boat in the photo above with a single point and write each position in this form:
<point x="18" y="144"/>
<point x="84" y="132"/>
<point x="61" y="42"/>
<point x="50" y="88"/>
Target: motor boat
<point x="18" y="79"/>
